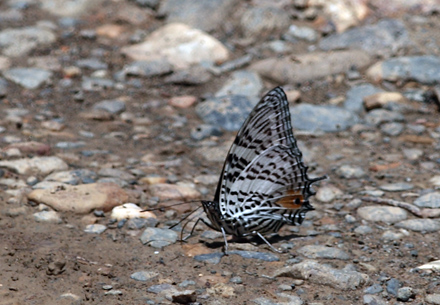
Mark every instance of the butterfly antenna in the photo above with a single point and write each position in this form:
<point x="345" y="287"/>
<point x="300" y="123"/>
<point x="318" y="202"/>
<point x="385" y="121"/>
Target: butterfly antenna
<point x="168" y="206"/>
<point x="185" y="217"/>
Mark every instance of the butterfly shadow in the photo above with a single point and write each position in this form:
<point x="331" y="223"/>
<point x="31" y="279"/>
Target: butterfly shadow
<point x="254" y="240"/>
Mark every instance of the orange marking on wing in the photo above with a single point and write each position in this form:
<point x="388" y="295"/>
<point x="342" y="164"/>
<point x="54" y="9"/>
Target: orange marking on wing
<point x="290" y="201"/>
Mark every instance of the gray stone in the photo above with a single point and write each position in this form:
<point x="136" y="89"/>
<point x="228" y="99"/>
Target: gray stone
<point x="300" y="32"/>
<point x="314" y="272"/>
<point x="310" y="66"/>
<point x="383" y="38"/>
<point x="144" y="276"/>
<point x="377" y="213"/>
<point x="392" y="129"/>
<point x="210" y="258"/>
<point x="148" y="3"/>
<point x="292" y="300"/>
<point x="422" y="69"/>
<point x="242" y="82"/>
<point x="69" y="8"/>
<point x="397" y="187"/>
<point x="158" y="238"/>
<point x="259" y="22"/>
<point x="328" y="193"/>
<point x="392" y="286"/>
<point x="350" y="219"/>
<point x="3" y="87"/>
<point x="236" y="280"/>
<point x="13" y="14"/>
<point x="278" y="46"/>
<point x="373" y="289"/>
<point x="268" y="257"/>
<point x="378" y="116"/>
<point x="96" y="84"/>
<point x="204" y="131"/>
<point x="156" y="289"/>
<point x="95" y="229"/>
<point x="321" y="118"/>
<point x="73" y="177"/>
<point x="228" y="112"/>
<point x="113" y="292"/>
<point x="369" y="299"/>
<point x="120" y="182"/>
<point x="390" y="235"/>
<point x="30" y="78"/>
<point x="47" y="216"/>
<point x="20" y="41"/>
<point x="139" y="223"/>
<point x="70" y="145"/>
<point x="111" y="106"/>
<point x="363" y="230"/>
<point x="347" y="171"/>
<point x="115" y="173"/>
<point x="419" y="225"/>
<point x="206" y="15"/>
<point x="405" y="293"/>
<point x="355" y="96"/>
<point x="92" y="63"/>
<point x="195" y="75"/>
<point x="416" y="128"/>
<point x="187" y="283"/>
<point x="148" y="68"/>
<point x="232" y="65"/>
<point x="181" y="297"/>
<point x="211" y="234"/>
<point x="40" y="165"/>
<point x="430" y="200"/>
<point x="321" y="251"/>
<point x="433" y="298"/>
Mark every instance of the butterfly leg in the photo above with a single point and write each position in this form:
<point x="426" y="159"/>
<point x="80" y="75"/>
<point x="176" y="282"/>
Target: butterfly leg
<point x="194" y="227"/>
<point x="226" y="242"/>
<point x="265" y="240"/>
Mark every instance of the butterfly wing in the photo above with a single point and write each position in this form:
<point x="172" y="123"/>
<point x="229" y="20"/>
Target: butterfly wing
<point x="264" y="170"/>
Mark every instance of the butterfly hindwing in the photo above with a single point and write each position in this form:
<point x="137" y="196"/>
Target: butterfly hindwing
<point x="268" y="125"/>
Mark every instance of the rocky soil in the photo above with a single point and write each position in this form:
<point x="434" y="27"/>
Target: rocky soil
<point x="109" y="108"/>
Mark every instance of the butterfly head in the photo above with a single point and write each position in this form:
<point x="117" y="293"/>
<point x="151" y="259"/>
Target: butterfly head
<point x="212" y="210"/>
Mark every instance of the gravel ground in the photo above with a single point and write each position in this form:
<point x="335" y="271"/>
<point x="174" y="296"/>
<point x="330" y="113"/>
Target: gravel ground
<point x="111" y="107"/>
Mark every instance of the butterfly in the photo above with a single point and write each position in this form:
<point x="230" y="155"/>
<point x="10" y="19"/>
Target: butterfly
<point x="264" y="183"/>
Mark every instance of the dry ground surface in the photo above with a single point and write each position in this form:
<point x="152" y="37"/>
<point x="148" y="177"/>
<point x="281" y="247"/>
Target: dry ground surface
<point x="39" y="262"/>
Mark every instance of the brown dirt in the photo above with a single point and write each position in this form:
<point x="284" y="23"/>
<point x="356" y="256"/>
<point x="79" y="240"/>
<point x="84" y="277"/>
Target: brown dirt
<point x="39" y="261"/>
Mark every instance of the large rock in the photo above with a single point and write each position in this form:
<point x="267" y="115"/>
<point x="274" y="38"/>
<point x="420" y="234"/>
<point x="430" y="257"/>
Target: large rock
<point x="69" y="8"/>
<point x="260" y="22"/>
<point x="179" y="44"/>
<point x="227" y="112"/>
<point x="83" y="198"/>
<point x="30" y="78"/>
<point x="35" y="166"/>
<point x="314" y="272"/>
<point x="20" y="41"/>
<point x="191" y="12"/>
<point x="311" y="66"/>
<point x="423" y="69"/>
<point x="173" y="191"/>
<point x="326" y="118"/>
<point x="381" y="38"/>
<point x="342" y="14"/>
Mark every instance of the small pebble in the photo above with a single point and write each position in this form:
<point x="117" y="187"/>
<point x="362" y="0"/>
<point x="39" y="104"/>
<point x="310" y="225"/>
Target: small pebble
<point x="95" y="228"/>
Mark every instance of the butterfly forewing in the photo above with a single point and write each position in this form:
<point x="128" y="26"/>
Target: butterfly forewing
<point x="268" y="125"/>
